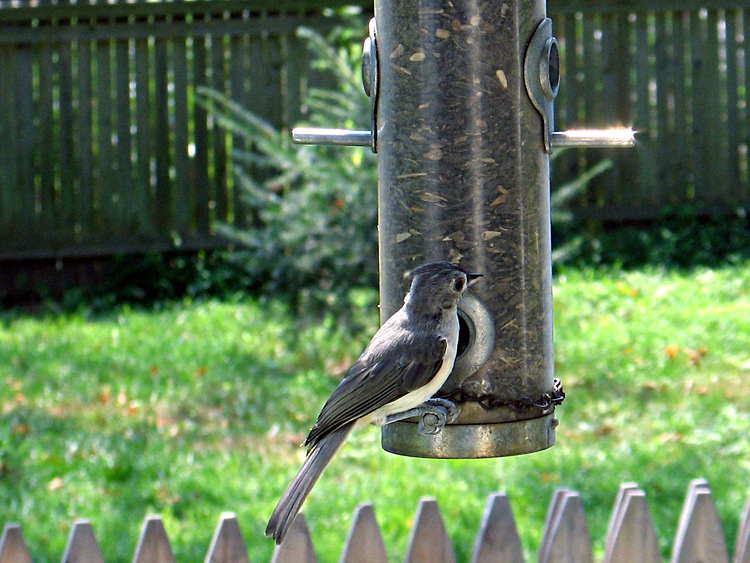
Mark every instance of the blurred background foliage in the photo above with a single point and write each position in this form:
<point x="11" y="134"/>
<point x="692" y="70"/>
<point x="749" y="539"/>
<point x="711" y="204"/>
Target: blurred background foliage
<point x="312" y="233"/>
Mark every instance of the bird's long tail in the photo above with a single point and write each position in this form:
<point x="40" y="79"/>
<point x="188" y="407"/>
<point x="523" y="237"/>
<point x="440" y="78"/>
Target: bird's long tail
<point x="317" y="460"/>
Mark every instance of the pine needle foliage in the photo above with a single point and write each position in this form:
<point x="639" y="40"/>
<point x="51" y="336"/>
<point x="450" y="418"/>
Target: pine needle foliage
<point x="313" y="233"/>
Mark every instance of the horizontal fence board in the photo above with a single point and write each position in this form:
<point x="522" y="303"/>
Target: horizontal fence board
<point x="144" y="9"/>
<point x="120" y="246"/>
<point x="81" y="30"/>
<point x="598" y="6"/>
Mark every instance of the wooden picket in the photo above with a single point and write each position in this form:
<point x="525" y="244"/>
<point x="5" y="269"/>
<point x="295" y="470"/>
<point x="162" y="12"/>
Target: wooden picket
<point x="566" y="536"/>
<point x="298" y="545"/>
<point x="12" y="546"/>
<point x="429" y="541"/>
<point x="699" y="535"/>
<point x="228" y="544"/>
<point x="498" y="538"/>
<point x="631" y="536"/>
<point x="365" y="542"/>
<point x="153" y="545"/>
<point x="82" y="544"/>
<point x="742" y="551"/>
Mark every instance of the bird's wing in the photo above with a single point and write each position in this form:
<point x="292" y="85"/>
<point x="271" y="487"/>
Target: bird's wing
<point x="373" y="382"/>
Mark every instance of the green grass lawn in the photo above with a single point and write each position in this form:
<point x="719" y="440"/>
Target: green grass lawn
<point x="198" y="408"/>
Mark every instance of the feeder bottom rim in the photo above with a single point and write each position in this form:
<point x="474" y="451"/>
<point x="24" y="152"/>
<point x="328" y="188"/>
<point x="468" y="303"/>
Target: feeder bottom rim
<point x="472" y="441"/>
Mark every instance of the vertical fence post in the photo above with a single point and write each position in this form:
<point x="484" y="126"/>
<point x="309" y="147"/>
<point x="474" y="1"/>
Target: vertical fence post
<point x="297" y="547"/>
<point x="364" y="543"/>
<point x="12" y="546"/>
<point x="228" y="544"/>
<point x="700" y="538"/>
<point x="153" y="545"/>
<point x="82" y="545"/>
<point x="498" y="536"/>
<point x="429" y="542"/>
<point x="566" y="535"/>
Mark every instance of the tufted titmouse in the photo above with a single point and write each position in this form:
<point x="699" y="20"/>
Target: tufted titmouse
<point x="404" y="365"/>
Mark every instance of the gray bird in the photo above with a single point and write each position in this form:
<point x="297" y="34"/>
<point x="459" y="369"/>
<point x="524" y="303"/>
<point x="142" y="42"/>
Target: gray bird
<point x="403" y="366"/>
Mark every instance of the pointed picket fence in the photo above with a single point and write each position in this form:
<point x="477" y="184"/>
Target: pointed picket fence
<point x="631" y="537"/>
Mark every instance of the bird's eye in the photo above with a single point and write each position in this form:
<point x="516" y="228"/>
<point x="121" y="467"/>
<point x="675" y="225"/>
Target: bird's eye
<point x="459" y="284"/>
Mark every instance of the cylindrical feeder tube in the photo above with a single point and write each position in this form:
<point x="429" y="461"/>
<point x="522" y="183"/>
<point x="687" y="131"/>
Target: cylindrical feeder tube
<point x="463" y="176"/>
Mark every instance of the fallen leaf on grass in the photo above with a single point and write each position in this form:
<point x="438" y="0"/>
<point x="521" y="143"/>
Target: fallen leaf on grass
<point x="13" y="383"/>
<point x="695" y="357"/>
<point x="105" y="395"/>
<point x="672" y="350"/>
<point x="55" y="484"/>
<point x="626" y="289"/>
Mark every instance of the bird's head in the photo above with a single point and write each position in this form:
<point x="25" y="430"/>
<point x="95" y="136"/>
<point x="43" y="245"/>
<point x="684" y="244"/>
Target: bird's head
<point x="438" y="285"/>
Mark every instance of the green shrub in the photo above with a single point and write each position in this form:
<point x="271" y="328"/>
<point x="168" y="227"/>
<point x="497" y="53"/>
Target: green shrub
<point x="680" y="238"/>
<point x="315" y="231"/>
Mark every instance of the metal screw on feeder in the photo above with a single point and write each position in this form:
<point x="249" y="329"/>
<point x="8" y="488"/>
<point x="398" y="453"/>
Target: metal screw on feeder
<point x="463" y="127"/>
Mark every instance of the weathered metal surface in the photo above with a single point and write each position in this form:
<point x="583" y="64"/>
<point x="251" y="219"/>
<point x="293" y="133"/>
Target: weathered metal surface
<point x="463" y="176"/>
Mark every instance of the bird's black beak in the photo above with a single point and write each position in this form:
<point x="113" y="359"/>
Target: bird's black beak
<point x="473" y="278"/>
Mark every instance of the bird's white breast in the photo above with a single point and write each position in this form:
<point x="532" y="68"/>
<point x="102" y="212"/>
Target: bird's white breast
<point x="419" y="396"/>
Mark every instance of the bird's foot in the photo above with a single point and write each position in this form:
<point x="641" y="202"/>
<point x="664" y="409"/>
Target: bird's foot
<point x="453" y="409"/>
<point x="435" y="414"/>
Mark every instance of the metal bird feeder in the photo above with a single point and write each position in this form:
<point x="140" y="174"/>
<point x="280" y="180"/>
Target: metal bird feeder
<point x="463" y="123"/>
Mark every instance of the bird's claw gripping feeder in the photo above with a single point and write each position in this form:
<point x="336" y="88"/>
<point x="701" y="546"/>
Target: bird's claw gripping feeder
<point x="462" y="121"/>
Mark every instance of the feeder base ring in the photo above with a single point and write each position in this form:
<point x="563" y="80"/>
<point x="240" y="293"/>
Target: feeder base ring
<point x="470" y="441"/>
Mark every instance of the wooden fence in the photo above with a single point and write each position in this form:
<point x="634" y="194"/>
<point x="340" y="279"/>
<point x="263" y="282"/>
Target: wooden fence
<point x="678" y="72"/>
<point x="103" y="148"/>
<point x="631" y="537"/>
